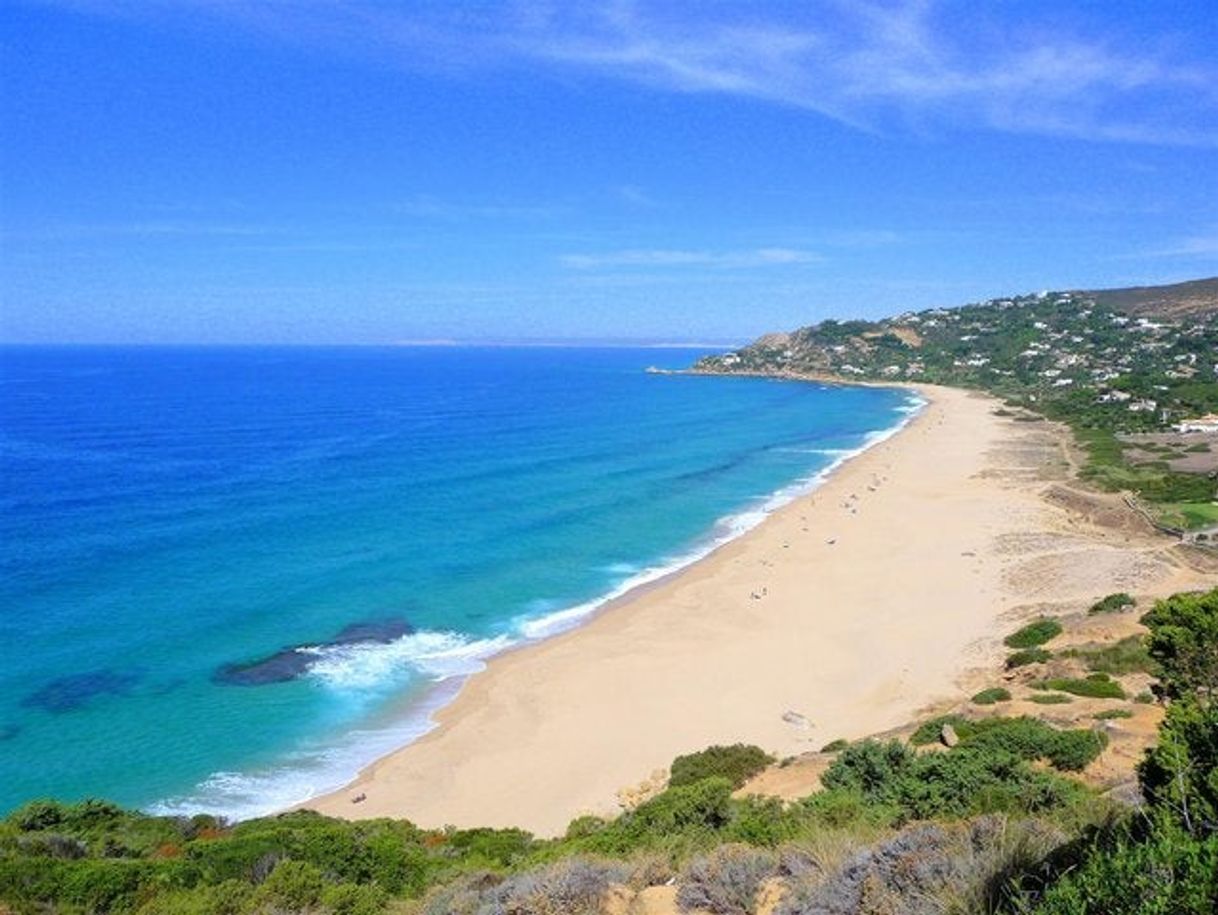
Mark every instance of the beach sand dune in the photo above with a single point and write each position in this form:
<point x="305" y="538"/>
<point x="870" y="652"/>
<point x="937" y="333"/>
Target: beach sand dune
<point x="842" y="615"/>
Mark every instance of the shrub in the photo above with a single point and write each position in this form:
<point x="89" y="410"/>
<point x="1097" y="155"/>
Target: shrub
<point x="573" y="886"/>
<point x="1184" y="641"/>
<point x="354" y="899"/>
<point x="835" y="746"/>
<point x="726" y="881"/>
<point x="1113" y="603"/>
<point x="844" y="807"/>
<point x="986" y="772"/>
<point x="992" y="695"/>
<point x="760" y="821"/>
<point x="925" y="868"/>
<point x="37" y="815"/>
<point x="1033" y="634"/>
<point x="702" y="805"/>
<point x="1109" y="714"/>
<point x="1050" y="698"/>
<point x="1027" y="656"/>
<point x="1180" y="774"/>
<point x="737" y="763"/>
<point x="1072" y="751"/>
<point x="1164" y="872"/>
<point x="1024" y="737"/>
<point x="929" y="731"/>
<point x="497" y="847"/>
<point x="292" y="885"/>
<point x="868" y="767"/>
<point x="1127" y="656"/>
<point x="1097" y="686"/>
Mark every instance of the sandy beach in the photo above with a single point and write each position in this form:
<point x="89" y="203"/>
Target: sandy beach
<point x="844" y="614"/>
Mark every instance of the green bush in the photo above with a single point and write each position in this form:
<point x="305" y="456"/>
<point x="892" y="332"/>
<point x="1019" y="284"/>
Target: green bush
<point x="1033" y="634"/>
<point x="969" y="779"/>
<point x="834" y="746"/>
<point x="1027" y="656"/>
<point x="1165" y="871"/>
<point x="992" y="695"/>
<point x="1050" y="698"/>
<point x="1184" y="642"/>
<point x="1109" y="714"/>
<point x="1113" y="603"/>
<point x="1073" y="751"/>
<point x="292" y="885"/>
<point x="1127" y="656"/>
<point x="928" y="731"/>
<point x="737" y="763"/>
<point x="1025" y="738"/>
<point x="702" y="805"/>
<point x="1096" y="686"/>
<point x="1180" y="774"/>
<point x="354" y="899"/>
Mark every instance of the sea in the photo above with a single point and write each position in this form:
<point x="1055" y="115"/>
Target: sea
<point x="230" y="577"/>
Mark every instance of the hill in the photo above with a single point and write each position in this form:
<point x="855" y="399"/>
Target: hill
<point x="1179" y="300"/>
<point x="1127" y="369"/>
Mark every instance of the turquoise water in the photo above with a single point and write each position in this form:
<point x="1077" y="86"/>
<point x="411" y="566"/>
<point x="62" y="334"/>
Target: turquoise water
<point x="170" y="517"/>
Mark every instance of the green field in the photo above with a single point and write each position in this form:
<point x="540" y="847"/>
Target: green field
<point x="1188" y="515"/>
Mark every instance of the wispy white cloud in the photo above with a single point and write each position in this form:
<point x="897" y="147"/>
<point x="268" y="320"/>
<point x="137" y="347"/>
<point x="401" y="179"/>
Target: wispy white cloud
<point x="878" y="65"/>
<point x="139" y="229"/>
<point x="635" y="196"/>
<point x="1204" y="245"/>
<point x="668" y="258"/>
<point x="429" y="207"/>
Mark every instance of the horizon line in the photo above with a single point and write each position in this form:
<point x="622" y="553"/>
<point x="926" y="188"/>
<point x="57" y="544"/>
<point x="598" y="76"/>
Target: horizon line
<point x="440" y="343"/>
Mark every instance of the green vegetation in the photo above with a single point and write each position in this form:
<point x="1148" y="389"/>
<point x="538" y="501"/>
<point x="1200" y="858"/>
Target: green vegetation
<point x="1033" y="634"/>
<point x="1127" y="656"/>
<point x="982" y="778"/>
<point x="1025" y="738"/>
<point x="1067" y="356"/>
<point x="835" y="746"/>
<point x="1188" y="515"/>
<point x="1109" y="714"/>
<point x="1113" y="603"/>
<point x="1027" y="656"/>
<point x="95" y="857"/>
<point x="1096" y="686"/>
<point x="1050" y="698"/>
<point x="992" y="695"/>
<point x="737" y="763"/>
<point x="1183" y="642"/>
<point x="1164" y="860"/>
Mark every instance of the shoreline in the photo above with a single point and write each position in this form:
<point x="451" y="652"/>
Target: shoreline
<point x="440" y="695"/>
<point x="902" y="549"/>
<point x="336" y="802"/>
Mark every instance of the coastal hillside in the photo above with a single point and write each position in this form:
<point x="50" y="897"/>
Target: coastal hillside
<point x="1134" y="372"/>
<point x="1178" y="300"/>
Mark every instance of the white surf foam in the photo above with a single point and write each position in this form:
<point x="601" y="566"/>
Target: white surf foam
<point x="435" y="655"/>
<point x="307" y="773"/>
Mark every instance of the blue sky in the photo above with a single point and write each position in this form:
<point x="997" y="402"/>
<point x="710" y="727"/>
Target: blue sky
<point x="371" y="172"/>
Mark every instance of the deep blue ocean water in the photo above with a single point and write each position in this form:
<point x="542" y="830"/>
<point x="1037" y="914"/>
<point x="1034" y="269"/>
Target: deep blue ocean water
<point x="170" y="516"/>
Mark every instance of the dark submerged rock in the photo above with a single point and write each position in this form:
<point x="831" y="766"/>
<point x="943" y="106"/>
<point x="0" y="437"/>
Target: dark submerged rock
<point x="290" y="663"/>
<point x="66" y="694"/>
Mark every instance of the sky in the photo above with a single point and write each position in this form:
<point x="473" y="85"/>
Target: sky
<point x="359" y="171"/>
